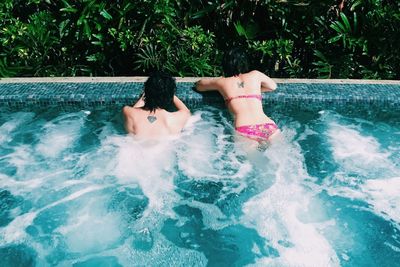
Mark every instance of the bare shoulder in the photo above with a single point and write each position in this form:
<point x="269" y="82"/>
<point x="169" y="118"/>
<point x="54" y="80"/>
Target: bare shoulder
<point x="267" y="84"/>
<point x="178" y="119"/>
<point x="221" y="80"/>
<point x="126" y="110"/>
<point x="256" y="73"/>
<point x="128" y="118"/>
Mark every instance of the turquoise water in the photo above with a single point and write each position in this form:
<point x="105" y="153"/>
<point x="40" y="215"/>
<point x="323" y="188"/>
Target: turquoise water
<point x="76" y="191"/>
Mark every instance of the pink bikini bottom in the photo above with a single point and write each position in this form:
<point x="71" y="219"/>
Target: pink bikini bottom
<point x="259" y="132"/>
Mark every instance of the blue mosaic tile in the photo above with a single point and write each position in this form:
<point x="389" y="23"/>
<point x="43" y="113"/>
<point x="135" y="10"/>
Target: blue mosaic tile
<point x="305" y="96"/>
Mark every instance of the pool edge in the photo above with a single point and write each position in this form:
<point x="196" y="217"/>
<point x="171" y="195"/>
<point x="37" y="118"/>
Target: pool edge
<point x="127" y="79"/>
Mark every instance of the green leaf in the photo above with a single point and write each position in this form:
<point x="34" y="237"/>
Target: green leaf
<point x="338" y="26"/>
<point x="6" y="71"/>
<point x="97" y="43"/>
<point x="98" y="36"/>
<point x="335" y="27"/>
<point x="86" y="29"/>
<point x="346" y="22"/>
<point x="203" y="12"/>
<point x="105" y="14"/>
<point x="355" y="4"/>
<point x="69" y="9"/>
<point x="355" y="21"/>
<point x="62" y="28"/>
<point x="91" y="58"/>
<point x="240" y="29"/>
<point x="335" y="39"/>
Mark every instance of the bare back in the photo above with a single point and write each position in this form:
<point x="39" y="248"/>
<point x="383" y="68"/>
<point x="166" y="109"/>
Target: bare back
<point x="246" y="110"/>
<point x="145" y="124"/>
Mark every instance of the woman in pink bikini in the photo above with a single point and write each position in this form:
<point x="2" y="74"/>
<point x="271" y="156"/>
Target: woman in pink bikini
<point x="242" y="90"/>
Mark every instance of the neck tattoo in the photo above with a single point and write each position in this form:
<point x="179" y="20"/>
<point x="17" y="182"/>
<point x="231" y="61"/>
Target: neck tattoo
<point x="240" y="84"/>
<point x="151" y="119"/>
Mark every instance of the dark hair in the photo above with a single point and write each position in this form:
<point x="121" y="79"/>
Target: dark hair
<point x="235" y="62"/>
<point x="159" y="90"/>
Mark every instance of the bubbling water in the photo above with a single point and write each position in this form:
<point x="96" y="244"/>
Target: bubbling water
<point x="75" y="190"/>
<point x="366" y="170"/>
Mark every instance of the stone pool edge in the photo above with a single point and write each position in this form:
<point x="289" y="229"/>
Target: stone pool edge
<point x="126" y="79"/>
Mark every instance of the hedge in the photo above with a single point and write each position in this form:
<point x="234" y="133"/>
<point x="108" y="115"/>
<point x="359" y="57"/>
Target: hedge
<point x="284" y="38"/>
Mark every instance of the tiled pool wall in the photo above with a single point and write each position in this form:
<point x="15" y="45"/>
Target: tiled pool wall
<point x="304" y="94"/>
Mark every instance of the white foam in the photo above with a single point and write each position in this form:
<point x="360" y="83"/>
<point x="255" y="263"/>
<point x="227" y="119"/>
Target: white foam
<point x="366" y="171"/>
<point x="150" y="164"/>
<point x="287" y="214"/>
<point x="384" y="196"/>
<point x="213" y="218"/>
<point x="196" y="160"/>
<point x="275" y="214"/>
<point x="307" y="132"/>
<point x="19" y="187"/>
<point x="190" y="126"/>
<point x="91" y="228"/>
<point x="14" y="232"/>
<point x="15" y="121"/>
<point x="208" y="153"/>
<point x="22" y="157"/>
<point x="359" y="155"/>
<point x="162" y="253"/>
<point x="75" y="195"/>
<point x="354" y="151"/>
<point x="60" y="134"/>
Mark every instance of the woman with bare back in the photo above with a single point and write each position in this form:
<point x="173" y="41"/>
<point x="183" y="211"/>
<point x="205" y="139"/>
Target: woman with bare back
<point x="241" y="90"/>
<point x="149" y="118"/>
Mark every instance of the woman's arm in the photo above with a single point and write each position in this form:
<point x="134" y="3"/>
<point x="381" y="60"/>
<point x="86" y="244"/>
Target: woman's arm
<point x="128" y="122"/>
<point x="140" y="102"/>
<point x="208" y="84"/>
<point x="180" y="105"/>
<point x="267" y="84"/>
<point x="181" y="116"/>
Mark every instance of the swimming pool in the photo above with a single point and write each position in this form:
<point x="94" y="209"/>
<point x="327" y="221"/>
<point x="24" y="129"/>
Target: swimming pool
<point x="75" y="190"/>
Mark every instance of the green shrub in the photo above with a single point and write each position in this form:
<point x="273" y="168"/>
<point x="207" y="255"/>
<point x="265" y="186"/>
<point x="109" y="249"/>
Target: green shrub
<point x="186" y="52"/>
<point x="304" y="38"/>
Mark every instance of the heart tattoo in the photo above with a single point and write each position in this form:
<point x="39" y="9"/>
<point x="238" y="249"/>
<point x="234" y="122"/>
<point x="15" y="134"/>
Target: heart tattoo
<point x="151" y="119"/>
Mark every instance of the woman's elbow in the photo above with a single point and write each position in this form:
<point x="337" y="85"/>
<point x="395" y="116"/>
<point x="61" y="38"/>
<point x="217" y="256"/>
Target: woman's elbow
<point x="199" y="86"/>
<point x="187" y="112"/>
<point x="270" y="85"/>
<point x="273" y="86"/>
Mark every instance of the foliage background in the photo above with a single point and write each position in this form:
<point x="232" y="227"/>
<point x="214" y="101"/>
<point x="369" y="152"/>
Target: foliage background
<point x="285" y="38"/>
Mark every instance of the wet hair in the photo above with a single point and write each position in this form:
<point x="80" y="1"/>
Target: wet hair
<point x="235" y="62"/>
<point x="159" y="90"/>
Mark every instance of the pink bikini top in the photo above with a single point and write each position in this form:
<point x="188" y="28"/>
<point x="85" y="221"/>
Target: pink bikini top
<point x="229" y="99"/>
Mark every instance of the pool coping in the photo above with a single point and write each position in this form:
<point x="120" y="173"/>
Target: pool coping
<point x="126" y="79"/>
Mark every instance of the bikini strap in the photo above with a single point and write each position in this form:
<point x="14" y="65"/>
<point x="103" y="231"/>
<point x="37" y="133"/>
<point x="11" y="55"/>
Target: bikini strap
<point x="229" y="99"/>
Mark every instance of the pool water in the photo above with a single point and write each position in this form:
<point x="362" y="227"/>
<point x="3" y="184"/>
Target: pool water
<point x="76" y="191"/>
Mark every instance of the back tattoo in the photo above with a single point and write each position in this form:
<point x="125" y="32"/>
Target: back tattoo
<point x="151" y="119"/>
